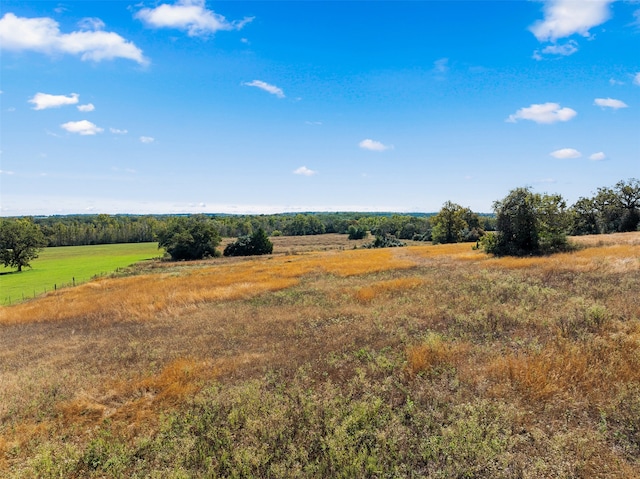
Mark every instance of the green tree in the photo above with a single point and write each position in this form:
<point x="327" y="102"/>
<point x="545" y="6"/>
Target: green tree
<point x="528" y="224"/>
<point x="553" y="223"/>
<point x="189" y="238"/>
<point x="250" y="245"/>
<point x="449" y="224"/>
<point x="357" y="232"/>
<point x="585" y="217"/>
<point x="20" y="242"/>
<point x="628" y="195"/>
<point x="610" y="209"/>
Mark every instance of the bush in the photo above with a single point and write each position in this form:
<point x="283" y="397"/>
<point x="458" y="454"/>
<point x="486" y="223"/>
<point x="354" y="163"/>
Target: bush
<point x="385" y="241"/>
<point x="357" y="232"/>
<point x="189" y="238"/>
<point x="529" y="224"/>
<point x="256" y="244"/>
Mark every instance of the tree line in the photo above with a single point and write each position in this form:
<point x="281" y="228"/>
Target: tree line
<point x="80" y="230"/>
<point x="524" y="223"/>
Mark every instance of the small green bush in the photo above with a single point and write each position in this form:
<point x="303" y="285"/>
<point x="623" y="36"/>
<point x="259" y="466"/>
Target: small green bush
<point x="385" y="241"/>
<point x="357" y="232"/>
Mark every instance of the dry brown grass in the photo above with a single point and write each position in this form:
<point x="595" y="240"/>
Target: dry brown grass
<point x="147" y="296"/>
<point x="374" y="290"/>
<point x="556" y="339"/>
<point x="435" y="352"/>
<point x="564" y="370"/>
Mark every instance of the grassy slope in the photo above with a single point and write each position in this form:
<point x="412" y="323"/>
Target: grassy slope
<point x="411" y="362"/>
<point x="58" y="266"/>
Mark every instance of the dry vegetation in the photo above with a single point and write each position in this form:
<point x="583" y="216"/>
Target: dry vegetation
<point x="426" y="361"/>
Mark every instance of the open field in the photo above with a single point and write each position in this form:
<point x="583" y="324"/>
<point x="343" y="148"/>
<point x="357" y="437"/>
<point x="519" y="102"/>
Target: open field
<point x="425" y="361"/>
<point x="62" y="266"/>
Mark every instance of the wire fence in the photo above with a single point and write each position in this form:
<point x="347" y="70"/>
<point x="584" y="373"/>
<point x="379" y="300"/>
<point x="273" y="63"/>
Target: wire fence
<point x="33" y="293"/>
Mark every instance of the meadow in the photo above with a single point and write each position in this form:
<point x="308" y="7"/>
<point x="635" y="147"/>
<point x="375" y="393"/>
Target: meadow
<point x="64" y="266"/>
<point x="324" y="361"/>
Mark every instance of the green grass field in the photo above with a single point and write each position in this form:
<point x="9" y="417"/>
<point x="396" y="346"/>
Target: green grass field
<point x="59" y="266"/>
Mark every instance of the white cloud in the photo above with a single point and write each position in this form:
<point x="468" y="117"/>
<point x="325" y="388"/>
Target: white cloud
<point x="441" y="66"/>
<point x="274" y="90"/>
<point x="116" y="131"/>
<point x="86" y="108"/>
<point x="5" y="172"/>
<point x="189" y="15"/>
<point x="566" y="153"/>
<point x="42" y="101"/>
<point x="43" y="35"/>
<point x="147" y="139"/>
<point x="90" y="23"/>
<point x="598" y="156"/>
<point x="636" y="79"/>
<point x="566" y="49"/>
<point x="82" y="127"/>
<point x="304" y="171"/>
<point x="563" y="18"/>
<point x="373" y="145"/>
<point x="610" y="103"/>
<point x="543" y="113"/>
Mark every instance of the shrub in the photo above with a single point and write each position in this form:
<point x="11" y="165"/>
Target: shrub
<point x="256" y="244"/>
<point x="189" y="238"/>
<point x="357" y="232"/>
<point x="385" y="241"/>
<point x="529" y="224"/>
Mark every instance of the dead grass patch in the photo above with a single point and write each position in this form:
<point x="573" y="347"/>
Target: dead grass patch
<point x="434" y="353"/>
<point x="565" y="370"/>
<point x="460" y="251"/>
<point x="371" y="291"/>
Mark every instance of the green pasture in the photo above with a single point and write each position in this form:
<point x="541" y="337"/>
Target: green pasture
<point x="64" y="266"/>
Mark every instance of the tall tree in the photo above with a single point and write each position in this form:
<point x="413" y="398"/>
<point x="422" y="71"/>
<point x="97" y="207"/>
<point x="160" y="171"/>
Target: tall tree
<point x="585" y="217"/>
<point x="628" y="194"/>
<point x="449" y="224"/>
<point x="20" y="242"/>
<point x="528" y="223"/>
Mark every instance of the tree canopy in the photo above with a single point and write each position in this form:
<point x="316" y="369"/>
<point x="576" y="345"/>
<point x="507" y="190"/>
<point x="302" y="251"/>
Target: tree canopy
<point x="610" y="210"/>
<point x="249" y="245"/>
<point x="529" y="224"/>
<point x="189" y="238"/>
<point x="20" y="242"/>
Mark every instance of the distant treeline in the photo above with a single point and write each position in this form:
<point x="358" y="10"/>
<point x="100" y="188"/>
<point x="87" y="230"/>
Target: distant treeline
<point x="609" y="210"/>
<point x="76" y="230"/>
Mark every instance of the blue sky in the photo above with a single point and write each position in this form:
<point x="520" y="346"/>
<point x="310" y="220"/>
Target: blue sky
<point x="263" y="107"/>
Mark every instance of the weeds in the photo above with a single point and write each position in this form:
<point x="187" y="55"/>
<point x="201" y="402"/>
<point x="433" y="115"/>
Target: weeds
<point x="415" y="362"/>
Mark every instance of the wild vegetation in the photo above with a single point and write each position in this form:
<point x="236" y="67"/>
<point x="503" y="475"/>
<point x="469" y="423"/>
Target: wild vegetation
<point x="423" y="361"/>
<point x="255" y="244"/>
<point x="529" y="223"/>
<point x="189" y="238"/>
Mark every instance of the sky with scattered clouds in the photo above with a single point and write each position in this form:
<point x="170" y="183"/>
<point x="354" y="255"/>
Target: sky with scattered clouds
<point x="269" y="106"/>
